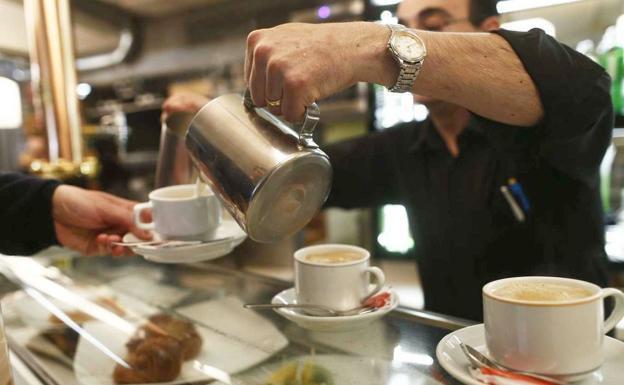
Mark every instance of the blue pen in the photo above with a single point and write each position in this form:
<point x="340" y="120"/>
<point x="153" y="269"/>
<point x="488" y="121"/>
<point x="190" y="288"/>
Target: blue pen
<point x="516" y="189"/>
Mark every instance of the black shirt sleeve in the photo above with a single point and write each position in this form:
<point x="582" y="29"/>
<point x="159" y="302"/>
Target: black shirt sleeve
<point x="578" y="114"/>
<point x="365" y="169"/>
<point x="26" y="224"/>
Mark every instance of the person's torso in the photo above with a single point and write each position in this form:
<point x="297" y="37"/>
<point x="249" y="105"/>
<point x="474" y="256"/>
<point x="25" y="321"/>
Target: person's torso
<point x="466" y="232"/>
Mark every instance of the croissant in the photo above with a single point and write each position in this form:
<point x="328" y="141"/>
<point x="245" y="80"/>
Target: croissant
<point x="157" y="350"/>
<point x="165" y="325"/>
<point x="155" y="359"/>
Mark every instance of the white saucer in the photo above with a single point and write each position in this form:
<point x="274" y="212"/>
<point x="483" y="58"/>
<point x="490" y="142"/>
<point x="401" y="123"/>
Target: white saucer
<point x="452" y="358"/>
<point x="194" y="253"/>
<point x="330" y="324"/>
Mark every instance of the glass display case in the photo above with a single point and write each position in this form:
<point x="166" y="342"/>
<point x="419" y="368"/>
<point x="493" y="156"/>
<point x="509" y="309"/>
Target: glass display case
<point x="93" y="321"/>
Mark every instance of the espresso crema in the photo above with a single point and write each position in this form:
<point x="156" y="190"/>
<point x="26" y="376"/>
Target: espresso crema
<point x="541" y="292"/>
<point x="332" y="257"/>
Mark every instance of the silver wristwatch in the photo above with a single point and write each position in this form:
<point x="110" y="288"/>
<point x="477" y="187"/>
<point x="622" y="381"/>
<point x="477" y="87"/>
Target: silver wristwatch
<point x="409" y="52"/>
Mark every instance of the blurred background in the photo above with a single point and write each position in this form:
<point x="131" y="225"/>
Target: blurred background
<point x="100" y="128"/>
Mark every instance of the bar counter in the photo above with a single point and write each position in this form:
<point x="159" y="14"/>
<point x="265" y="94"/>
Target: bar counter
<point x="398" y="349"/>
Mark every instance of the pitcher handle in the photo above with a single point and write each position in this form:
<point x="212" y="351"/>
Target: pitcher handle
<point x="306" y="128"/>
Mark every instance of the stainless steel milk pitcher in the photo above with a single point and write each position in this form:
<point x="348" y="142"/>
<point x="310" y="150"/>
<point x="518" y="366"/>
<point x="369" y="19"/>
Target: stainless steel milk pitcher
<point x="271" y="179"/>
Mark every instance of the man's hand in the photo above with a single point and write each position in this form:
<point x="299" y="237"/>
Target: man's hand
<point x="300" y="64"/>
<point x="89" y="221"/>
<point x="183" y="102"/>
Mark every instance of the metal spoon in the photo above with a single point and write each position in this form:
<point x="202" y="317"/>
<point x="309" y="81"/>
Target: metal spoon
<point x="479" y="360"/>
<point x="316" y="308"/>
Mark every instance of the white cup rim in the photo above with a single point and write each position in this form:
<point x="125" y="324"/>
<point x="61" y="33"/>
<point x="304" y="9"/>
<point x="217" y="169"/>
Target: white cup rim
<point x="595" y="289"/>
<point x="301" y="253"/>
<point x="155" y="195"/>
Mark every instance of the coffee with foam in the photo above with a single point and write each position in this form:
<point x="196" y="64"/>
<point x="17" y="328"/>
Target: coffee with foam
<point x="332" y="257"/>
<point x="541" y="292"/>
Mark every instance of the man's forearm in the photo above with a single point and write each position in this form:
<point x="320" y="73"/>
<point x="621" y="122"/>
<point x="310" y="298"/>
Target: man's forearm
<point x="478" y="71"/>
<point x="297" y="64"/>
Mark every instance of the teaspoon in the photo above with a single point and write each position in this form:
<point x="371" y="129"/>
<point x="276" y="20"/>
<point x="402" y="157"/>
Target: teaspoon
<point x="316" y="308"/>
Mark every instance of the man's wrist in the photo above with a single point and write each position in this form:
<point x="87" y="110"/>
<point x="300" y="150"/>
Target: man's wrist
<point x="374" y="63"/>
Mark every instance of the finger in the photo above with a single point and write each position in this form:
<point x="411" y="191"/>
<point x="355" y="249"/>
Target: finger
<point x="94" y="248"/>
<point x="105" y="243"/>
<point x="146" y="215"/>
<point x="142" y="234"/>
<point x="293" y="105"/>
<point x="119" y="217"/>
<point x="119" y="251"/>
<point x="110" y="238"/>
<point x="101" y="239"/>
<point x="274" y="77"/>
<point x="257" y="80"/>
<point x="117" y="200"/>
<point x="252" y="39"/>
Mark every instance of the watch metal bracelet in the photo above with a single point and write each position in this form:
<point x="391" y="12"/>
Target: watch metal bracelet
<point x="407" y="75"/>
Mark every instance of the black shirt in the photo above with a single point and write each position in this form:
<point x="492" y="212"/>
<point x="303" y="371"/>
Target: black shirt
<point x="465" y="232"/>
<point x="26" y="224"/>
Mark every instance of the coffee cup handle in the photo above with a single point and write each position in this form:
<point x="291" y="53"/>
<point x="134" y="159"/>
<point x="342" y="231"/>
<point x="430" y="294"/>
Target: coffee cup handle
<point x="380" y="280"/>
<point x="618" y="310"/>
<point x="138" y="209"/>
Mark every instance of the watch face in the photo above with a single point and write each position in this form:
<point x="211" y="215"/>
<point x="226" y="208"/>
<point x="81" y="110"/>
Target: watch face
<point x="408" y="47"/>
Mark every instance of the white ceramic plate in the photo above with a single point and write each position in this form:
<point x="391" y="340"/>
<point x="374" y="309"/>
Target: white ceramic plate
<point x="330" y="324"/>
<point x="347" y="370"/>
<point x="234" y="339"/>
<point x="194" y="253"/>
<point x="452" y="358"/>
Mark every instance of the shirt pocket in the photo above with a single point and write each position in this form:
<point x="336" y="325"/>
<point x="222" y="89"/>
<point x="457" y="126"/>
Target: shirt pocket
<point x="503" y="214"/>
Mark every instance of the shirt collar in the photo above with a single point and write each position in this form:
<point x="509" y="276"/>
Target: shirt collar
<point x="428" y="136"/>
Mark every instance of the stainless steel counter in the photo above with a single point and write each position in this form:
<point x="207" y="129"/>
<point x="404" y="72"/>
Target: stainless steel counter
<point x="397" y="350"/>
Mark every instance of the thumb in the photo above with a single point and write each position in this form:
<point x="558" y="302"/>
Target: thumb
<point x="121" y="217"/>
<point x="120" y="220"/>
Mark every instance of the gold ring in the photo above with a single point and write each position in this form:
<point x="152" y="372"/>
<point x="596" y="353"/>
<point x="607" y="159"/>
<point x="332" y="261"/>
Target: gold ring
<point x="274" y="103"/>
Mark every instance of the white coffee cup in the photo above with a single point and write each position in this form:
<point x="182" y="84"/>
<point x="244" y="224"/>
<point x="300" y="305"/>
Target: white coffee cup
<point x="339" y="286"/>
<point x="177" y="213"/>
<point x="557" y="338"/>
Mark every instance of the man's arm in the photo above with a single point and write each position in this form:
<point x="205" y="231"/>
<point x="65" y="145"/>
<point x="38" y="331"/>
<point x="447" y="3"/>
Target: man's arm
<point x="36" y="213"/>
<point x="478" y="71"/>
<point x="26" y="223"/>
<point x="302" y="63"/>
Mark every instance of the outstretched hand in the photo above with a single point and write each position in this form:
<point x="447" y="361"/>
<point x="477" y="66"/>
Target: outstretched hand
<point x="89" y="221"/>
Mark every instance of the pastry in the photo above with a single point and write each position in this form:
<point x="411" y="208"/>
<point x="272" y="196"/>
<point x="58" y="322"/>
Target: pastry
<point x="153" y="360"/>
<point x="65" y="339"/>
<point x="157" y="350"/>
<point x="179" y="329"/>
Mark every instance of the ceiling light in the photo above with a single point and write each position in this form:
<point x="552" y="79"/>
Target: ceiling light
<point x="387" y="17"/>
<point x="83" y="90"/>
<point x="507" y="6"/>
<point x="382" y="3"/>
<point x="323" y="12"/>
